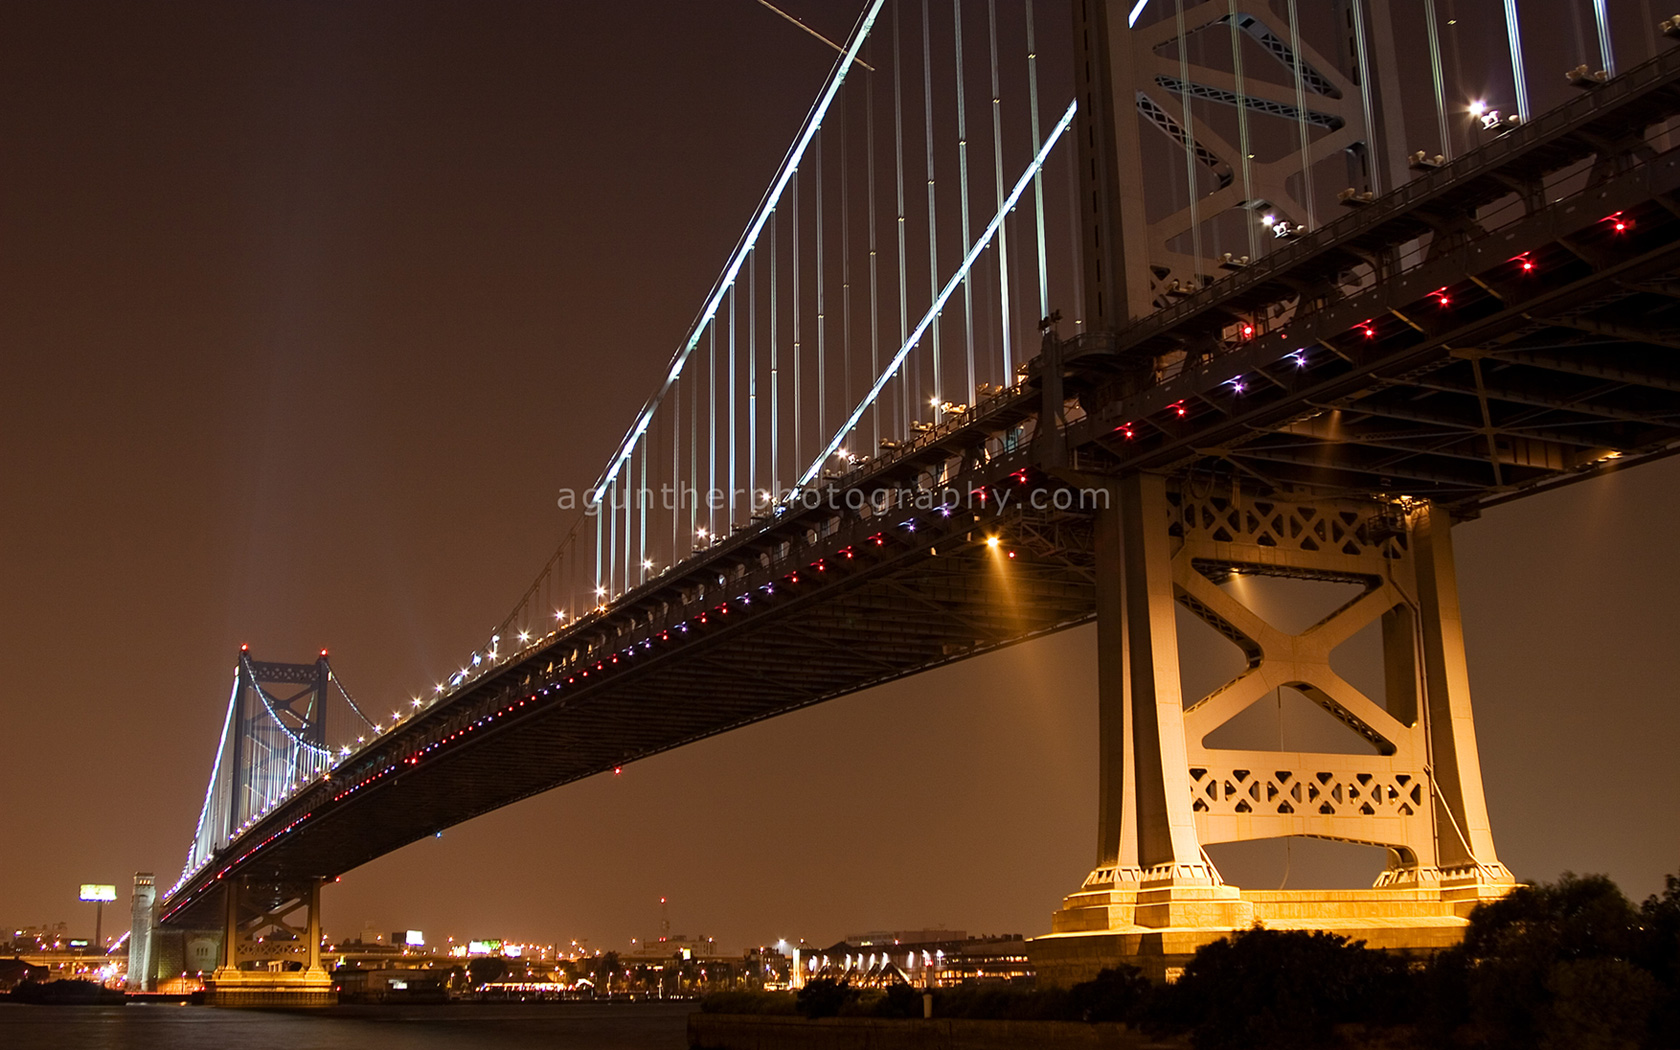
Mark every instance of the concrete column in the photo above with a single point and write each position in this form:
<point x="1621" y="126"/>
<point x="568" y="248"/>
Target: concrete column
<point x="230" y="927"/>
<point x="1166" y="827"/>
<point x="314" y="925"/>
<point x="1117" y="797"/>
<point x="1463" y="835"/>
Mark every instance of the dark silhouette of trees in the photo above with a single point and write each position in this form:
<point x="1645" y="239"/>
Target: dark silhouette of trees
<point x="486" y="970"/>
<point x="1265" y="989"/>
<point x="824" y="997"/>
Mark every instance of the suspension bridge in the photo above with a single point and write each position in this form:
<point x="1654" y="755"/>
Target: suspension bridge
<point x="1001" y="353"/>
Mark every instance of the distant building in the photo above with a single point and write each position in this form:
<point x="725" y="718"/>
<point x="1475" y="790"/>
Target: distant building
<point x="947" y="958"/>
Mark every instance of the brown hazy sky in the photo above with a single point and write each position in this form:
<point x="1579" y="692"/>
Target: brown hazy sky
<point x="306" y="310"/>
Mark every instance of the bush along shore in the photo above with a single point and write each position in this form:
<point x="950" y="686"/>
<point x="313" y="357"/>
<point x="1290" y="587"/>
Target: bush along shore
<point x="1572" y="964"/>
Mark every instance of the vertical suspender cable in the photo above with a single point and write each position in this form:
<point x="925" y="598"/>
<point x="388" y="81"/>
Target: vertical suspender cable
<point x="933" y="216"/>
<point x="822" y="304"/>
<point x="1434" y="30"/>
<point x="775" y="393"/>
<point x="642" y="517"/>
<point x="797" y="332"/>
<point x="1072" y="159"/>
<point x="629" y="496"/>
<point x="1300" y="72"/>
<point x="845" y="262"/>
<point x="1038" y="187"/>
<point x="903" y="276"/>
<point x="962" y="195"/>
<point x="729" y="502"/>
<point x="1601" y="12"/>
<point x="601" y="512"/>
<point x="612" y="540"/>
<point x="711" y="430"/>
<point x="1513" y="34"/>
<point x="997" y="179"/>
<point x="1249" y="224"/>
<point x="752" y="381"/>
<point x="1192" y="174"/>
<point x="1363" y="55"/>
<point x="694" y="458"/>
<point x="874" y="261"/>
<point x="676" y="469"/>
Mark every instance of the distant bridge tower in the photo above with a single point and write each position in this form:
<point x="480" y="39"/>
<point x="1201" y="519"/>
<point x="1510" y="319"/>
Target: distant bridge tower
<point x="142" y="963"/>
<point x="273" y="741"/>
<point x="1155" y="895"/>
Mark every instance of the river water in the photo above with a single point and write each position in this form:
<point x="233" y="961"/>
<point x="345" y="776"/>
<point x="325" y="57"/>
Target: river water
<point x="556" y="1026"/>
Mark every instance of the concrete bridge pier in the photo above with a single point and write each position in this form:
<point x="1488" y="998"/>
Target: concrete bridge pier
<point x="1414" y="788"/>
<point x="269" y="960"/>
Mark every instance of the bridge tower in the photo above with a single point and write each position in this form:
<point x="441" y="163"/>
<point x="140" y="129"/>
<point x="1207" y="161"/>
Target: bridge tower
<point x="142" y="962"/>
<point x="1154" y="895"/>
<point x="273" y="739"/>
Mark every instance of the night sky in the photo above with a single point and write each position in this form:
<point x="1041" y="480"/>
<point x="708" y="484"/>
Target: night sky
<point x="306" y="311"/>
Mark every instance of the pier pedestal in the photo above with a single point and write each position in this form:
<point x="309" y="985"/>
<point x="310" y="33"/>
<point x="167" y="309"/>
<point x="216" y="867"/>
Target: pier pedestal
<point x="267" y="961"/>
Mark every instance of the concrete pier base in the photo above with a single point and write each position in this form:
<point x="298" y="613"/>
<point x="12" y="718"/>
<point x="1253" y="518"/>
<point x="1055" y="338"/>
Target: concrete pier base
<point x="1094" y="930"/>
<point x="267" y="988"/>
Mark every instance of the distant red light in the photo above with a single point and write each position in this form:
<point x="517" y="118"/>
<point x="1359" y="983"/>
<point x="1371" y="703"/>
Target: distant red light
<point x="245" y="648"/>
<point x="323" y="654"/>
<point x="1248" y="331"/>
<point x="1443" y="300"/>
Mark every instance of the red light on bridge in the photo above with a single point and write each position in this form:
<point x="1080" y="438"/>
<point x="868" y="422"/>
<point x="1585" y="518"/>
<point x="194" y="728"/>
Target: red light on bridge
<point x="1619" y="222"/>
<point x="1248" y="331"/>
<point x="1443" y="300"/>
<point x="617" y="770"/>
<point x="323" y="654"/>
<point x="1370" y="333"/>
<point x="245" y="648"/>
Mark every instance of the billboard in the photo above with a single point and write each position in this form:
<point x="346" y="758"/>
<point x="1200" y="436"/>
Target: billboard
<point x="415" y="939"/>
<point x="96" y="892"/>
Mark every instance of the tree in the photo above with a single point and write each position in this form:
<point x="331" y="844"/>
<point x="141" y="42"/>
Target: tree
<point x="1119" y="994"/>
<point x="602" y="970"/>
<point x="1552" y="966"/>
<point x="824" y="997"/>
<point x="486" y="969"/>
<point x="1659" y="954"/>
<point x="1283" y="989"/>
